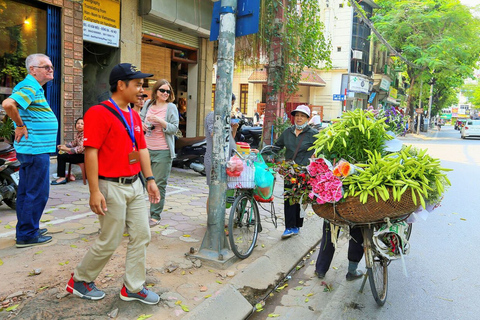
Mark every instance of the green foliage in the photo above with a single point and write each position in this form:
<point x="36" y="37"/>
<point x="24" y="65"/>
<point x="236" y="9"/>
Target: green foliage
<point x="440" y="36"/>
<point x="350" y="138"/>
<point x="6" y="128"/>
<point x="299" y="36"/>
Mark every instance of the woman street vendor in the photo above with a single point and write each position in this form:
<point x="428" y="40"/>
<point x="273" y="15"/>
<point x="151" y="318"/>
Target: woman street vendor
<point x="296" y="139"/>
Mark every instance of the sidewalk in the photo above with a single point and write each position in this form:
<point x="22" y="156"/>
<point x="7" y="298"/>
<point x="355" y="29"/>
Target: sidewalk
<point x="189" y="289"/>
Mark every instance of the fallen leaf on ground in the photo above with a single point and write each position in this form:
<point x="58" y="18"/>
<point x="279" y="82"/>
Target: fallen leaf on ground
<point x="85" y="239"/>
<point x="185" y="308"/>
<point x="12" y="307"/>
<point x="144" y="316"/>
<point x="73" y="246"/>
<point x="38" y="252"/>
<point x="8" y="226"/>
<point x="126" y="234"/>
<point x="273" y="315"/>
<point x="334" y="268"/>
<point x="219" y="282"/>
<point x="207" y="296"/>
<point x="306" y="300"/>
<point x="43" y="288"/>
<point x="309" y="295"/>
<point x="178" y="302"/>
<point x="463" y="219"/>
<point x="186" y="236"/>
<point x="1" y="262"/>
<point x="282" y="287"/>
<point x="69" y="232"/>
<point x="45" y="220"/>
<point x="298" y="288"/>
<point x="76" y="209"/>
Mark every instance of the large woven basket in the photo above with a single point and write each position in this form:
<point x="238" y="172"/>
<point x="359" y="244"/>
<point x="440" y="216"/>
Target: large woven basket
<point x="353" y="211"/>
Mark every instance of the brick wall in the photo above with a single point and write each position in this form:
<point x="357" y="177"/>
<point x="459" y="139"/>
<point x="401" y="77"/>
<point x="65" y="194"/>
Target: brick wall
<point x="72" y="68"/>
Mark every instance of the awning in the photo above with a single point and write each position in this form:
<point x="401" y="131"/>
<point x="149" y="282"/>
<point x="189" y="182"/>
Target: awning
<point x="308" y="78"/>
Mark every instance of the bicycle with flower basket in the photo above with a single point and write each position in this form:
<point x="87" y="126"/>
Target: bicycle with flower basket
<point x="375" y="184"/>
<point x="244" y="223"/>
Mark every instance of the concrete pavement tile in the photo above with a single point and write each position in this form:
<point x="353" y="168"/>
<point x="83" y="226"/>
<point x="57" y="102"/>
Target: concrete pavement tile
<point x="188" y="239"/>
<point x="169" y="231"/>
<point x="91" y="219"/>
<point x="72" y="225"/>
<point x="192" y="213"/>
<point x="81" y="202"/>
<point x="53" y="229"/>
<point x="179" y="218"/>
<point x="89" y="230"/>
<point x="185" y="227"/>
<point x="67" y="236"/>
<point x="7" y="242"/>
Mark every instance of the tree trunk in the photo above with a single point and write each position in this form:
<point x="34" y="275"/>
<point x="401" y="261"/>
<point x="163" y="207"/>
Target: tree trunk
<point x="273" y="107"/>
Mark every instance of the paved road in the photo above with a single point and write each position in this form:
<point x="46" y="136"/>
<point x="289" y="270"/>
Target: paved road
<point x="442" y="267"/>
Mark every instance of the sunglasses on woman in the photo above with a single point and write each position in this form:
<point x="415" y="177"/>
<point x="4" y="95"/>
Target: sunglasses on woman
<point x="163" y="91"/>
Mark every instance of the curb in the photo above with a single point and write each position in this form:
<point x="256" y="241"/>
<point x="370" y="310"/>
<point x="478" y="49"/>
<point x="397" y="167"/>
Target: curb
<point x="261" y="275"/>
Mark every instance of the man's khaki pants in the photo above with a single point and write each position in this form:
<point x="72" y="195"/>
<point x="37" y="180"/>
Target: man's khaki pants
<point x="126" y="208"/>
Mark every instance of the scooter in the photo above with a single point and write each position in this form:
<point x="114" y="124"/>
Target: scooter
<point x="190" y="153"/>
<point x="252" y="135"/>
<point x="9" y="175"/>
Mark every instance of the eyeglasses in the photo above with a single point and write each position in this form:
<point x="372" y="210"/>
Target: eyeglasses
<point x="47" y="68"/>
<point x="163" y="91"/>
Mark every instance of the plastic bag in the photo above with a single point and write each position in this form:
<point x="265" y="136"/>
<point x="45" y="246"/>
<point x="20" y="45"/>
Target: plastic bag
<point x="234" y="166"/>
<point x="263" y="177"/>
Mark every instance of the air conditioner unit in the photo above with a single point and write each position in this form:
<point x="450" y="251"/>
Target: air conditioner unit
<point x="357" y="54"/>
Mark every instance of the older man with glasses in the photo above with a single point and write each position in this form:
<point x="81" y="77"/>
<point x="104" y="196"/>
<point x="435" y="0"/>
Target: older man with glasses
<point x="35" y="137"/>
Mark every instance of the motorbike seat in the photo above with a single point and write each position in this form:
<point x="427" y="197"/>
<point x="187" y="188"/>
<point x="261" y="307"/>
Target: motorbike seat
<point x="183" y="142"/>
<point x="252" y="130"/>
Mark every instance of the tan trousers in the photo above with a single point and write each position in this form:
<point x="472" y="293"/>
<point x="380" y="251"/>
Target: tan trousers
<point x="126" y="208"/>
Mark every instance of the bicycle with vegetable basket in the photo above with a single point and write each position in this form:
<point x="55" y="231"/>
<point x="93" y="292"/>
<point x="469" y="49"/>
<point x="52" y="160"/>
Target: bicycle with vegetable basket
<point x="253" y="187"/>
<point x="364" y="177"/>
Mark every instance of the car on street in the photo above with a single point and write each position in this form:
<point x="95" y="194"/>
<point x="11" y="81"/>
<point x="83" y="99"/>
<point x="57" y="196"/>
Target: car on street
<point x="471" y="129"/>
<point x="459" y="124"/>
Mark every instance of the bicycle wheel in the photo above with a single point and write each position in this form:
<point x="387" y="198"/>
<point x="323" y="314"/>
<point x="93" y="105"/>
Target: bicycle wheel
<point x="377" y="269"/>
<point x="243" y="225"/>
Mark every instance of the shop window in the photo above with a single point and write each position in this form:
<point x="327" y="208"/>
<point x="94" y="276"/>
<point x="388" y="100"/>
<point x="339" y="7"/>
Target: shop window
<point x="23" y="32"/>
<point x="243" y="98"/>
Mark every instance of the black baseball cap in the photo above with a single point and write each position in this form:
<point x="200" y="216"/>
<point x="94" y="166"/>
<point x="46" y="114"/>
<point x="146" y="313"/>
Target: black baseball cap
<point x="126" y="71"/>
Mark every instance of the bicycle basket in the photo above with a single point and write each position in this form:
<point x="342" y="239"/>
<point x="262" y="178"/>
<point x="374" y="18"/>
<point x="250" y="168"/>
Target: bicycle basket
<point x="246" y="180"/>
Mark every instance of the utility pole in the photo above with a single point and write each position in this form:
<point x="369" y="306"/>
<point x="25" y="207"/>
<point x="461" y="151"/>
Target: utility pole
<point x="432" y="82"/>
<point x="419" y="106"/>
<point x="215" y="246"/>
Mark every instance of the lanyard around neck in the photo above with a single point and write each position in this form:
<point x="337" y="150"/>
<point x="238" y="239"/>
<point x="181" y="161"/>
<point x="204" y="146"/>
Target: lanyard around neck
<point x="129" y="128"/>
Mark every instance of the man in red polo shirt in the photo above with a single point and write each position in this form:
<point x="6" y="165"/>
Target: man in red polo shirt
<point x="115" y="153"/>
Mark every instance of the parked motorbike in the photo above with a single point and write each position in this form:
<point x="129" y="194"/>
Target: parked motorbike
<point x="252" y="135"/>
<point x="9" y="175"/>
<point x="190" y="153"/>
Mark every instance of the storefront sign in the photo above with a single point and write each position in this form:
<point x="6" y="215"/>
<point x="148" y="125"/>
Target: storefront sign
<point x="101" y="21"/>
<point x="358" y="84"/>
<point x="393" y="93"/>
<point x="419" y="110"/>
<point x="385" y="84"/>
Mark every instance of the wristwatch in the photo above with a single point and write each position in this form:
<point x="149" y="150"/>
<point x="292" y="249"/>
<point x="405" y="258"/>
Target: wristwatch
<point x="150" y="178"/>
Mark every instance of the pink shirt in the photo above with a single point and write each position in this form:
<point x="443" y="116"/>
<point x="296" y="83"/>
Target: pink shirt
<point x="156" y="141"/>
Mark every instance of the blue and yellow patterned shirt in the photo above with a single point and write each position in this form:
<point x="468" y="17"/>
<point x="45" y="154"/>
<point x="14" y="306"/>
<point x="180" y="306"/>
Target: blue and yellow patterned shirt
<point x="41" y="122"/>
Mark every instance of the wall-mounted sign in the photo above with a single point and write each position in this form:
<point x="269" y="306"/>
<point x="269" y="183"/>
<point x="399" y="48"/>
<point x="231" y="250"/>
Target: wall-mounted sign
<point x="101" y="21"/>
<point x="358" y="84"/>
<point x="385" y="84"/>
<point x="393" y="93"/>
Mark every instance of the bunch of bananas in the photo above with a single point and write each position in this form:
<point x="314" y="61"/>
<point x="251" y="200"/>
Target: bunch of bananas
<point x="408" y="169"/>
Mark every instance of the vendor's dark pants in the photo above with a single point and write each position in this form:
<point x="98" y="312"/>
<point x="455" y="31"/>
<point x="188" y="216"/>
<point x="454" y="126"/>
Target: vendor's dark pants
<point x="292" y="215"/>
<point x="63" y="158"/>
<point x="325" y="255"/>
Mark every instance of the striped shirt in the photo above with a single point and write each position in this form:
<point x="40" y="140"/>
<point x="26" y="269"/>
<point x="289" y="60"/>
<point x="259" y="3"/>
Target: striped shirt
<point x="36" y="114"/>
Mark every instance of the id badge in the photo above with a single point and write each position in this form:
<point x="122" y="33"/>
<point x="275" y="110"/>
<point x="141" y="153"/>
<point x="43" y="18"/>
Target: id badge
<point x="133" y="157"/>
